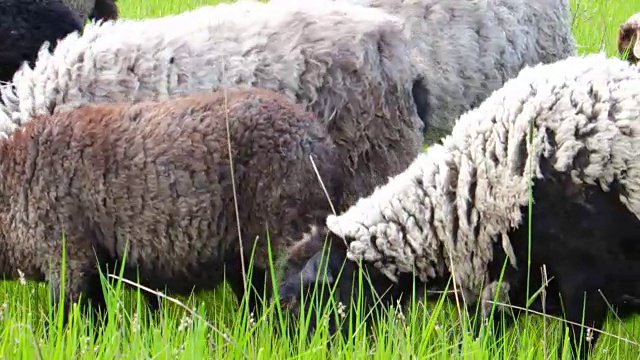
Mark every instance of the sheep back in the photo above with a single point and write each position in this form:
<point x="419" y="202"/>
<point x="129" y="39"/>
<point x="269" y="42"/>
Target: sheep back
<point x="446" y="211"/>
<point x="345" y="63"/>
<point x="467" y="49"/>
<point x="154" y="180"/>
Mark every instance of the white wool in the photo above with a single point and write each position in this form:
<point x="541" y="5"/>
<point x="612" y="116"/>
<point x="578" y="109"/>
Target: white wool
<point x="467" y="49"/>
<point x="6" y="125"/>
<point x="419" y="218"/>
<point x="227" y="43"/>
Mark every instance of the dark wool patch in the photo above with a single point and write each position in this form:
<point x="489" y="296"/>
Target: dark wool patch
<point x="24" y="27"/>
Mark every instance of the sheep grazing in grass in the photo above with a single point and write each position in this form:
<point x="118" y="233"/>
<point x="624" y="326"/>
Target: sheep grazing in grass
<point x="154" y="180"/>
<point x="25" y="27"/>
<point x="467" y="49"/>
<point x="345" y="63"/>
<point x="568" y="134"/>
<point x="94" y="9"/>
<point x="628" y="35"/>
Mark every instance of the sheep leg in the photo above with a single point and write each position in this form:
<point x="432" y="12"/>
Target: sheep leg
<point x="502" y="285"/>
<point x="483" y="313"/>
<point x="257" y="285"/>
<point x="153" y="302"/>
<point x="579" y="292"/>
<point x="496" y="292"/>
<point x="82" y="286"/>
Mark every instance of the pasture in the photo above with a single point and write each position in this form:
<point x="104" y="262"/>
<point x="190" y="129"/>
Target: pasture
<point x="211" y="326"/>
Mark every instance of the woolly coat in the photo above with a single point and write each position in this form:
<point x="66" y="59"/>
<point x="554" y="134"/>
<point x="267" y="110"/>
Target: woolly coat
<point x="345" y="63"/>
<point x="467" y="49"/>
<point x="153" y="180"/>
<point x="459" y="198"/>
<point x="25" y="26"/>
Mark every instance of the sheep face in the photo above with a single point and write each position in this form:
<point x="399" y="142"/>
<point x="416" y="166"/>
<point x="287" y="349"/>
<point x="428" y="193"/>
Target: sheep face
<point x="628" y="36"/>
<point x="310" y="272"/>
<point x="318" y="275"/>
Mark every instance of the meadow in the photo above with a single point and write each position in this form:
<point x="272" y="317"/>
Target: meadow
<point x="210" y="324"/>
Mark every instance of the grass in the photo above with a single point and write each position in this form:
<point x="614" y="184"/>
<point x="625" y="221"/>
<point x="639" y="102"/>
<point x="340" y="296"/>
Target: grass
<point x="210" y="325"/>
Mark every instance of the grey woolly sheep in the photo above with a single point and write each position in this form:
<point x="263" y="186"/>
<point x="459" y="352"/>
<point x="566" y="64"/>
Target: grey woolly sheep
<point x="345" y="63"/>
<point x="94" y="9"/>
<point x="154" y="180"/>
<point x="467" y="49"/>
<point x="28" y="25"/>
<point x="462" y="207"/>
<point x="628" y="35"/>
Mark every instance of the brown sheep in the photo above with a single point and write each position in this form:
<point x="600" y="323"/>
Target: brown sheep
<point x="628" y="39"/>
<point x="156" y="174"/>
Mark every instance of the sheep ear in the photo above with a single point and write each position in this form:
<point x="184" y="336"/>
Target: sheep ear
<point x="315" y="270"/>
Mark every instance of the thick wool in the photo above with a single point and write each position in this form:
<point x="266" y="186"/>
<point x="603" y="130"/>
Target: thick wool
<point x="628" y="36"/>
<point x="468" y="49"/>
<point x="153" y="180"/>
<point x="345" y="63"/>
<point x="25" y="27"/>
<point x="463" y="208"/>
<point x="445" y="212"/>
<point x="94" y="9"/>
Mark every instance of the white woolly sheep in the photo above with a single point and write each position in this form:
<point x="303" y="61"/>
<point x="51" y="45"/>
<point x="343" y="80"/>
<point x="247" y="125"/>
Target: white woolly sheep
<point x="345" y="63"/>
<point x="152" y="182"/>
<point x="462" y="206"/>
<point x="467" y="49"/>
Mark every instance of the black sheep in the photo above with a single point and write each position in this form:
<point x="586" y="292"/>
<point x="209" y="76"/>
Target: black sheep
<point x="24" y="27"/>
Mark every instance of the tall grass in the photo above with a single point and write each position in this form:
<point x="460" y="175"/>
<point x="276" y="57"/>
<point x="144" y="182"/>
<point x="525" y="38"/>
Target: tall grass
<point x="211" y="325"/>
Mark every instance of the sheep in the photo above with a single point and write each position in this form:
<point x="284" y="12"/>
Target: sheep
<point x="467" y="49"/>
<point x="462" y="206"/>
<point x="345" y="63"/>
<point x="154" y="180"/>
<point x="628" y="34"/>
<point x="95" y="9"/>
<point x="28" y="25"/>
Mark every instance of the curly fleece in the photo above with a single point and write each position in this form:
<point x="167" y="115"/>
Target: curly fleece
<point x="467" y="49"/>
<point x="151" y="182"/>
<point x="458" y="198"/>
<point x="345" y="63"/>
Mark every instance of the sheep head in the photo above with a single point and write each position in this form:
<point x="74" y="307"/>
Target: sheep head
<point x="628" y="36"/>
<point x="312" y="267"/>
<point x="317" y="271"/>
